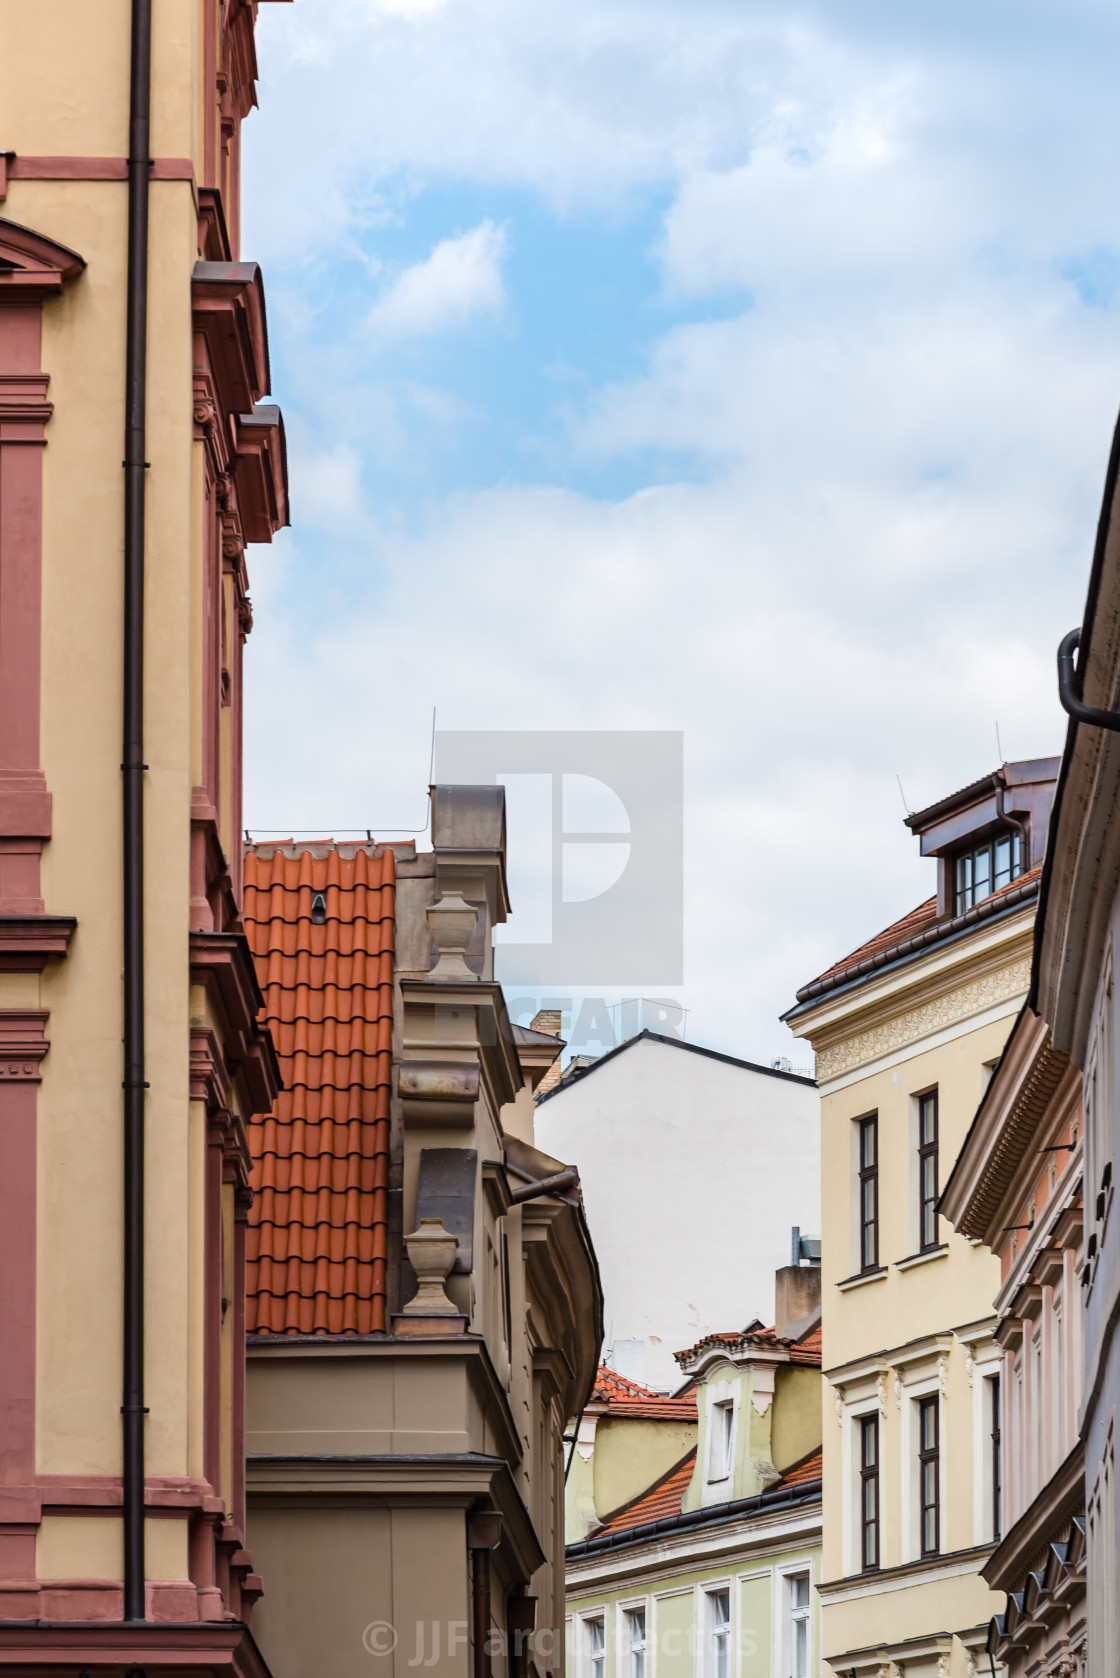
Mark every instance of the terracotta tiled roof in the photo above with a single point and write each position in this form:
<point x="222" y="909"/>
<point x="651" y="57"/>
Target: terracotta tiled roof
<point x="807" y="1350"/>
<point x="916" y="921"/>
<point x="922" y="920"/>
<point x="624" y="1397"/>
<point x="662" y="1501"/>
<point x="609" y="1384"/>
<point x="317" y="1227"/>
<point x="803" y="1472"/>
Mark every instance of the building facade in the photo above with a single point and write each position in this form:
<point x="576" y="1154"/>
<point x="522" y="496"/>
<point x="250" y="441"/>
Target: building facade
<point x="659" y="1110"/>
<point x="1017" y="1188"/>
<point x="710" y="1569"/>
<point x="907" y="1030"/>
<point x="424" y="1311"/>
<point x="131" y="1059"/>
<point x="1075" y="995"/>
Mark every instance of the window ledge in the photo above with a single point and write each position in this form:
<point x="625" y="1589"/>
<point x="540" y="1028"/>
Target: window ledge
<point x="923" y="1258"/>
<point x="861" y="1278"/>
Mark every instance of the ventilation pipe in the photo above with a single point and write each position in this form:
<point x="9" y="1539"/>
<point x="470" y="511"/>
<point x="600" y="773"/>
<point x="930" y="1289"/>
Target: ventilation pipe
<point x="132" y="780"/>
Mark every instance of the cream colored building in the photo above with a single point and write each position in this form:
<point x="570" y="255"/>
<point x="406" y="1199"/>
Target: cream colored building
<point x="127" y="999"/>
<point x="907" y="1030"/>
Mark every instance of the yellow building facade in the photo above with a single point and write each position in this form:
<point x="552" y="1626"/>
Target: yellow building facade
<point x="907" y="1030"/>
<point x="130" y="1057"/>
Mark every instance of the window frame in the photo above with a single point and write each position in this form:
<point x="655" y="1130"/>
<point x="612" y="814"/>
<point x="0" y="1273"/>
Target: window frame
<point x="867" y="1178"/>
<point x="964" y="896"/>
<point x="870" y="1474"/>
<point x="929" y="1458"/>
<point x="636" y="1648"/>
<point x="795" y="1614"/>
<point x="717" y="1633"/>
<point x="721" y="1432"/>
<point x="929" y="1151"/>
<point x="995" y="1489"/>
<point x="593" y="1661"/>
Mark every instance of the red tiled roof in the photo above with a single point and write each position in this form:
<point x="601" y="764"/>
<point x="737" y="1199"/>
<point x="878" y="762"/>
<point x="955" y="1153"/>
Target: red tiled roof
<point x="318" y="1224"/>
<point x="910" y="926"/>
<point x="807" y="1350"/>
<point x="624" y="1397"/>
<point x="662" y="1501"/>
<point x="916" y="921"/>
<point x="609" y="1384"/>
<point x="801" y="1473"/>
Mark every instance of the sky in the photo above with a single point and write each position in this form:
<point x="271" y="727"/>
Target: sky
<point x="707" y="366"/>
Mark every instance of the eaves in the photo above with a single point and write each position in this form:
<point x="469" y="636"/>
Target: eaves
<point x="918" y="977"/>
<point x="797" y="1526"/>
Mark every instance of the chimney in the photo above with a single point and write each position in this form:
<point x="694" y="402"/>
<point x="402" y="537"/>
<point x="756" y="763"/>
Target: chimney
<point x="797" y="1300"/>
<point x="548" y="1020"/>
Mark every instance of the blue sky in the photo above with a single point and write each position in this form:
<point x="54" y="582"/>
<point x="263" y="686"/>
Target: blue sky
<point x="737" y="369"/>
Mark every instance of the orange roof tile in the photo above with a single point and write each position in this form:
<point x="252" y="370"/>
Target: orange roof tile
<point x="627" y="1398"/>
<point x="609" y="1384"/>
<point x="910" y="926"/>
<point x="318" y="1224"/>
<point x="662" y="1501"/>
<point x="803" y="1472"/>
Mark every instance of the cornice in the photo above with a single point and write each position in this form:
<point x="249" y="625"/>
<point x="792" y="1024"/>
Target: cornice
<point x="837" y="1018"/>
<point x="1063" y="1495"/>
<point x="1033" y="1080"/>
<point x="27" y="942"/>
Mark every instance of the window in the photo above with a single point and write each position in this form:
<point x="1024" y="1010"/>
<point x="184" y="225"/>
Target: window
<point x="719" y="1634"/>
<point x="987" y="868"/>
<point x="797" y="1607"/>
<point x="929" y="1474"/>
<point x="997" y="1466"/>
<point x="595" y="1631"/>
<point x="928" y="1190"/>
<point x="721" y="1422"/>
<point x="869" y="1193"/>
<point x="636" y="1642"/>
<point x="869" y="1491"/>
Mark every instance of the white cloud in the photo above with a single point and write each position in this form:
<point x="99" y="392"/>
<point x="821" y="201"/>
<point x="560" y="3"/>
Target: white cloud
<point x="460" y="281"/>
<point x="902" y="438"/>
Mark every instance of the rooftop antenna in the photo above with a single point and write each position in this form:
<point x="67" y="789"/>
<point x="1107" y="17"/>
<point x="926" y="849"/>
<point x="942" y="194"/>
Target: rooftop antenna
<point x="999" y="748"/>
<point x="901" y="794"/>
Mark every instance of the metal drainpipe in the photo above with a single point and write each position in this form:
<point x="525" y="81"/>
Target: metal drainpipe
<point x="1012" y="821"/>
<point x="132" y="771"/>
<point x="484" y="1531"/>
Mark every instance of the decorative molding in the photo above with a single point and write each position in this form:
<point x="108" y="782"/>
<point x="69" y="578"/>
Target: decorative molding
<point x="32" y="268"/>
<point x="23" y="1044"/>
<point x="27" y="942"/>
<point x="916" y="1023"/>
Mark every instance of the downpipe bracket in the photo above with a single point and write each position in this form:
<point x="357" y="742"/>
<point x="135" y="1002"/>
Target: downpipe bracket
<point x="1068" y="686"/>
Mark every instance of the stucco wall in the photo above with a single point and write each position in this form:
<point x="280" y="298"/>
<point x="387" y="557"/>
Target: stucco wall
<point x="630" y="1455"/>
<point x="335" y="1571"/>
<point x="693" y="1171"/>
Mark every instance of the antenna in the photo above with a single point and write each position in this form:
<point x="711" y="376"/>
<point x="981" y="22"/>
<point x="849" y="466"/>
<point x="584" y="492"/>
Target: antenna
<point x="901" y="794"/>
<point x="999" y="748"/>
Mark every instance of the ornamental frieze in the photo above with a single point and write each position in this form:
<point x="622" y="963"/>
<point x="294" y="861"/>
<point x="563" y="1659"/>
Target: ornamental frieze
<point x="923" y="1021"/>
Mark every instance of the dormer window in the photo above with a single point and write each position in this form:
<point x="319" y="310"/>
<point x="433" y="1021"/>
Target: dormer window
<point x="722" y="1430"/>
<point x="984" y="869"/>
